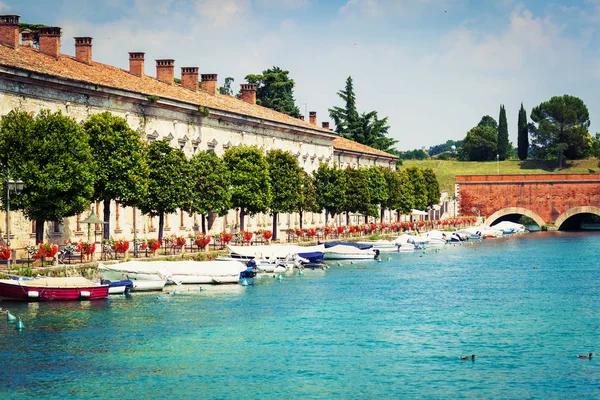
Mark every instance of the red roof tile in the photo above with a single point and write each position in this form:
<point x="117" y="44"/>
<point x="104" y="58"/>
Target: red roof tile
<point x="342" y="143"/>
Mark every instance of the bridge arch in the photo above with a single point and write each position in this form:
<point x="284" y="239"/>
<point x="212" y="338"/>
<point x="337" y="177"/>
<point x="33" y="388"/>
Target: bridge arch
<point x="516" y="210"/>
<point x="574" y="211"/>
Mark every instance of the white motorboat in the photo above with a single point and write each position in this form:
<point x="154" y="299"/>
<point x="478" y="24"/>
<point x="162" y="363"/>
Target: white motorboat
<point x="345" y="252"/>
<point x="314" y="254"/>
<point x="193" y="272"/>
<point x="405" y="243"/>
<point x="267" y="265"/>
<point x="384" y="246"/>
<point x="508" y="227"/>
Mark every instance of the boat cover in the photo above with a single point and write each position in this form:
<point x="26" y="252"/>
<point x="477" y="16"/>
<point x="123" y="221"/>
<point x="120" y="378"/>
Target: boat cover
<point x="361" y="246"/>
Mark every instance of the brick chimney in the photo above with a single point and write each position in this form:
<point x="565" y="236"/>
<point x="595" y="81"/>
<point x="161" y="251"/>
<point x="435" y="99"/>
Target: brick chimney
<point x="248" y="92"/>
<point x="209" y="83"/>
<point x="165" y="71"/>
<point x="325" y="125"/>
<point x="189" y="78"/>
<point x="136" y="64"/>
<point x="9" y="30"/>
<point x="27" y="38"/>
<point x="312" y="117"/>
<point x="83" y="49"/>
<point x="50" y="41"/>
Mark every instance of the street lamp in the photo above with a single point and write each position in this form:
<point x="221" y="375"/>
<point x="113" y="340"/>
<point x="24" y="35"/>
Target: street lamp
<point x="16" y="188"/>
<point x="497" y="164"/>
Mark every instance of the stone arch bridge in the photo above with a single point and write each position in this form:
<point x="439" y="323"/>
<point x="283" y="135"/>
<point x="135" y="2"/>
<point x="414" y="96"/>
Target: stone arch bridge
<point x="548" y="199"/>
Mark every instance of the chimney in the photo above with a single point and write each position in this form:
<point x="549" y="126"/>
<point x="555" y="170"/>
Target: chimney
<point x="209" y="83"/>
<point x="325" y="125"/>
<point x="136" y="64"/>
<point x="50" y="41"/>
<point x="165" y="71"/>
<point x="312" y="117"/>
<point x="83" y="49"/>
<point x="27" y="38"/>
<point x="301" y="118"/>
<point x="248" y="92"/>
<point x="9" y="30"/>
<point x="189" y="78"/>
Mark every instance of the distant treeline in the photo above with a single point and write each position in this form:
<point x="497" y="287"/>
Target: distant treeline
<point x="444" y="150"/>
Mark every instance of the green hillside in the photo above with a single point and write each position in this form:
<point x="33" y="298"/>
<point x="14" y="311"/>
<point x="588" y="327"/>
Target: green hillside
<point x="447" y="170"/>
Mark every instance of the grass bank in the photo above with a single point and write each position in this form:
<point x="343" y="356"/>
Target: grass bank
<point x="447" y="170"/>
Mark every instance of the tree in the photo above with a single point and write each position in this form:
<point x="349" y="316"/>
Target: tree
<point x="560" y="126"/>
<point x="405" y="198"/>
<point x="211" y="181"/>
<point x="287" y="176"/>
<point x="170" y="186"/>
<point x="226" y="88"/>
<point x="378" y="189"/>
<point x="250" y="180"/>
<point x="486" y="120"/>
<point x="504" y="146"/>
<point x="523" y="134"/>
<point x="432" y="187"/>
<point x="445" y="147"/>
<point x="275" y="90"/>
<point x="51" y="155"/>
<point x="330" y="183"/>
<point x="419" y="186"/>
<point x="122" y="173"/>
<point x="480" y="144"/>
<point x="365" y="128"/>
<point x="358" y="196"/>
<point x="417" y="154"/>
<point x="308" y="198"/>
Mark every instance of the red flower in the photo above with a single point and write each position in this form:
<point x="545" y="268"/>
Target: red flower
<point x="226" y="237"/>
<point x="5" y="252"/>
<point x="202" y="241"/>
<point x="247" y="236"/>
<point x="340" y="229"/>
<point x="312" y="232"/>
<point x="267" y="235"/>
<point x="327" y="230"/>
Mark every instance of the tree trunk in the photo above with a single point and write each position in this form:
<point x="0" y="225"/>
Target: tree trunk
<point x="39" y="231"/>
<point x="161" y="225"/>
<point x="106" y="230"/>
<point x="274" y="237"/>
<point x="242" y="215"/>
<point x="301" y="215"/>
<point x="560" y="156"/>
<point x="366" y="219"/>
<point x="203" y="223"/>
<point x="347" y="218"/>
<point x="326" y="217"/>
<point x="382" y="214"/>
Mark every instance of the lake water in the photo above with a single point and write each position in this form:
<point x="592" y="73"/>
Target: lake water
<point x="525" y="306"/>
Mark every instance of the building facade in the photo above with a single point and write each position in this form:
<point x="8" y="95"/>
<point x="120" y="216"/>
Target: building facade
<point x="191" y="118"/>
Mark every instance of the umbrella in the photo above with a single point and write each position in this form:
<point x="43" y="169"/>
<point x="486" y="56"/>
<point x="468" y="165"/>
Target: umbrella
<point x="92" y="219"/>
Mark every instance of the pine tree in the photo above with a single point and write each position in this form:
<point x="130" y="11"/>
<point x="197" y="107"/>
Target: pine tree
<point x="503" y="144"/>
<point x="523" y="140"/>
<point x="346" y="118"/>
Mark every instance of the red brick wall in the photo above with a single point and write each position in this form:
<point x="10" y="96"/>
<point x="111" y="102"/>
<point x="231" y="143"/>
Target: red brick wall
<point x="50" y="45"/>
<point x="9" y="35"/>
<point x="546" y="195"/>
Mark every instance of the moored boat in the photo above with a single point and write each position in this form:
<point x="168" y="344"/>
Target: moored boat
<point x="346" y="252"/>
<point x="47" y="289"/>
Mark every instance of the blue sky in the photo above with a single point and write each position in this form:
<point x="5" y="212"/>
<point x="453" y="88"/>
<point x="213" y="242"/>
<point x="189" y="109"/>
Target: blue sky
<point x="434" y="67"/>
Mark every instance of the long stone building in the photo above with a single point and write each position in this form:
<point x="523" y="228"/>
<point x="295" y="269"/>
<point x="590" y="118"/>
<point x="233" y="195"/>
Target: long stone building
<point x="192" y="119"/>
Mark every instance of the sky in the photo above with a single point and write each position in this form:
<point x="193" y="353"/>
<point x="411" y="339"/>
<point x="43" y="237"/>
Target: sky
<point x="433" y="67"/>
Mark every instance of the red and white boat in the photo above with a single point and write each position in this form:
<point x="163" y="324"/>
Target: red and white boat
<point x="46" y="289"/>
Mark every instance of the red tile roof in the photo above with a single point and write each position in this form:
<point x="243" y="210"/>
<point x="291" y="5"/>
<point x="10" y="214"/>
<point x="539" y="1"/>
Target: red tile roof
<point x="67" y="67"/>
<point x="341" y="143"/>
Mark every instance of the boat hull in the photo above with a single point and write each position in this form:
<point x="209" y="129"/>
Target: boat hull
<point x="16" y="292"/>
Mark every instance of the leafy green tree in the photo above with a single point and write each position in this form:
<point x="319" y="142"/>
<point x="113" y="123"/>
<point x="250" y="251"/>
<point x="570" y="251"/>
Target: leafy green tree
<point x="504" y="146"/>
<point x="250" y="180"/>
<point x="287" y="176"/>
<point x="51" y="155"/>
<point x="419" y="186"/>
<point x="275" y="90"/>
<point x="378" y="189"/>
<point x="445" y="147"/>
<point x="226" y="88"/>
<point x="560" y="126"/>
<point x="480" y="144"/>
<point x="432" y="186"/>
<point x="170" y="186"/>
<point x="358" y="196"/>
<point x="405" y="197"/>
<point x="417" y="154"/>
<point x="122" y="173"/>
<point x="330" y="183"/>
<point x="365" y="128"/>
<point x="211" y="181"/>
<point x="308" y="200"/>
<point x="523" y="134"/>
<point x="486" y="120"/>
<point x="392" y="183"/>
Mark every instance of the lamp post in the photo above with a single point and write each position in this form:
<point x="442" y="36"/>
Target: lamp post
<point x="16" y="188"/>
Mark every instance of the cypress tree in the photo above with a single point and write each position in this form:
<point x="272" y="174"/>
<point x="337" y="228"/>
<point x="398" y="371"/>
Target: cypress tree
<point x="503" y="144"/>
<point x="523" y="140"/>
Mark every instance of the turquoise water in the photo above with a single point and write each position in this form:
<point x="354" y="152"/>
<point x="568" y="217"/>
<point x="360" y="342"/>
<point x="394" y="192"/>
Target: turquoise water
<point x="391" y="329"/>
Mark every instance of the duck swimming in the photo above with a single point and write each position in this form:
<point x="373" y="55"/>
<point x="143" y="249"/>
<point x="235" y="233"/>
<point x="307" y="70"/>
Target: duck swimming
<point x="471" y="357"/>
<point x="585" y="356"/>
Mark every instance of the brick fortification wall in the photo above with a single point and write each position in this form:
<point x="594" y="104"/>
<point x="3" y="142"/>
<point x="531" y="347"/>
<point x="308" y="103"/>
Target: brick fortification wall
<point x="549" y="196"/>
